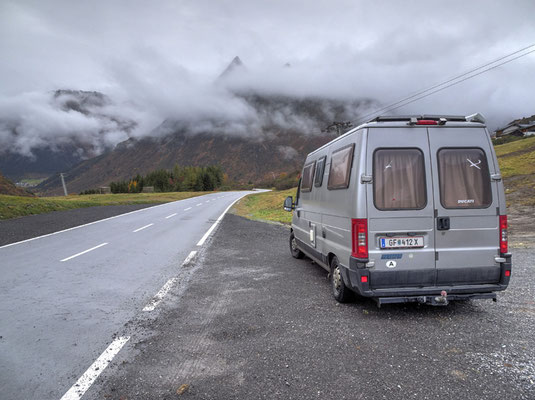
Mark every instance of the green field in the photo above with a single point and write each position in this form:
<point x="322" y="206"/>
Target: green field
<point x="17" y="206"/>
<point x="517" y="165"/>
<point x="266" y="206"/>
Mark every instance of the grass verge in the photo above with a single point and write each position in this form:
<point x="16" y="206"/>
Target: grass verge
<point x="517" y="165"/>
<point x="265" y="206"/>
<point x="18" y="206"/>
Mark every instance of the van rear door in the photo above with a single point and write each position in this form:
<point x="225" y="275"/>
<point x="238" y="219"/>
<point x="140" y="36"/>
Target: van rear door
<point x="400" y="208"/>
<point x="466" y="203"/>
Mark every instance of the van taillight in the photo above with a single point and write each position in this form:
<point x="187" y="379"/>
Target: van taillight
<point x="503" y="233"/>
<point x="359" y="236"/>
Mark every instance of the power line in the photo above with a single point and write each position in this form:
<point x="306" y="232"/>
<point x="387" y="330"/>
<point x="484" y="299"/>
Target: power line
<point x="424" y="93"/>
<point x="462" y="80"/>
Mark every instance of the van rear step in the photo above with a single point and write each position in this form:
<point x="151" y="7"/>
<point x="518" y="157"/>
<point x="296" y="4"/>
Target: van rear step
<point x="440" y="300"/>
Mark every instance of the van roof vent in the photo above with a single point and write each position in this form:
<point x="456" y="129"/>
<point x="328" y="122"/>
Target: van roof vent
<point x="477" y="117"/>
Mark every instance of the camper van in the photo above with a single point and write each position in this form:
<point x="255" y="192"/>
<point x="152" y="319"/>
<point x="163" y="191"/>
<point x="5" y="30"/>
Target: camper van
<point x="405" y="209"/>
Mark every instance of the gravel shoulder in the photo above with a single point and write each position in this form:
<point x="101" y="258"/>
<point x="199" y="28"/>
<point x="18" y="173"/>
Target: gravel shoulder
<point x="251" y="322"/>
<point x="17" y="229"/>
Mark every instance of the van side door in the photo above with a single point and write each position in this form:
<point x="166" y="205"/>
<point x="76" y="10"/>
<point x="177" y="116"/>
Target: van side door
<point x="466" y="206"/>
<point x="305" y="220"/>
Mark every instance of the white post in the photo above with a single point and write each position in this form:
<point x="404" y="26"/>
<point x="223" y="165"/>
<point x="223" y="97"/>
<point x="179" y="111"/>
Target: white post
<point x="63" y="183"/>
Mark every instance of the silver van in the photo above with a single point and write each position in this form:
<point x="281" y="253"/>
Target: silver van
<point x="405" y="209"/>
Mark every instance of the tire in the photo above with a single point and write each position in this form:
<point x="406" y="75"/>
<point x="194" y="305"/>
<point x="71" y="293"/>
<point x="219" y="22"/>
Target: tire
<point x="341" y="292"/>
<point x="296" y="253"/>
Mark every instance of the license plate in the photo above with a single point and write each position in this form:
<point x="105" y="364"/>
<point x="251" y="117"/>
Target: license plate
<point x="401" y="242"/>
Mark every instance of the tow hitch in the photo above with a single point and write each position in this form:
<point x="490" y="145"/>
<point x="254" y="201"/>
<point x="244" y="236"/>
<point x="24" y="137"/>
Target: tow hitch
<point x="441" y="300"/>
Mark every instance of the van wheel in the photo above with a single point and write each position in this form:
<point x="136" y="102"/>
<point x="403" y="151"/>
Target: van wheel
<point x="341" y="292"/>
<point x="296" y="253"/>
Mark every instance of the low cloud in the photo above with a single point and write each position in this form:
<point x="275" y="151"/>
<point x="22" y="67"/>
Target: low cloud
<point x="49" y="120"/>
<point x="157" y="64"/>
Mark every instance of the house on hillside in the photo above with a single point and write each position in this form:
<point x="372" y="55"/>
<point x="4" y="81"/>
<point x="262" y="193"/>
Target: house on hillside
<point x="518" y="127"/>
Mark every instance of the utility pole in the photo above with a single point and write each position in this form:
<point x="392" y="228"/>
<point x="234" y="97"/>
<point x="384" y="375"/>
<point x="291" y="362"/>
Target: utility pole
<point x="63" y="183"/>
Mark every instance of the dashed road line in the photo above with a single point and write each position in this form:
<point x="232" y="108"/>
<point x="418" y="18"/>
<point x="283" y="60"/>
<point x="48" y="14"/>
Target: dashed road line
<point x="186" y="209"/>
<point x="168" y="285"/>
<point x="170" y="216"/>
<point x="83" y="252"/>
<point x="89" y="223"/>
<point x="86" y="380"/>
<point x="143" y="227"/>
<point x="200" y="204"/>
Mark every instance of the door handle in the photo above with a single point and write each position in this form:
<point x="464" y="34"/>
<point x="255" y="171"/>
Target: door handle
<point x="443" y="223"/>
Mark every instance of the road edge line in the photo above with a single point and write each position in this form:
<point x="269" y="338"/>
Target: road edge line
<point x="92" y="373"/>
<point x="209" y="231"/>
<point x="158" y="297"/>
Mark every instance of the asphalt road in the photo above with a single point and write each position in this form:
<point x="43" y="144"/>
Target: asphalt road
<point x="65" y="297"/>
<point x="17" y="229"/>
<point x="250" y="322"/>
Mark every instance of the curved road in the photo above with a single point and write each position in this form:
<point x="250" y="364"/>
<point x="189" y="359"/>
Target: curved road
<point x="64" y="297"/>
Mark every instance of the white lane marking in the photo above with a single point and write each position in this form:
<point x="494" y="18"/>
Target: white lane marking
<point x="170" y="216"/>
<point x="200" y="204"/>
<point x="186" y="209"/>
<point x="168" y="285"/>
<point x="91" y="223"/>
<point x="207" y="234"/>
<point x="86" y="380"/>
<point x="190" y="257"/>
<point x="83" y="252"/>
<point x="143" y="227"/>
<point x="207" y="201"/>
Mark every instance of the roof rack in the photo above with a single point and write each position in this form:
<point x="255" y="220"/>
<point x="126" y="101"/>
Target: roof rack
<point x="441" y="119"/>
<point x="393" y="118"/>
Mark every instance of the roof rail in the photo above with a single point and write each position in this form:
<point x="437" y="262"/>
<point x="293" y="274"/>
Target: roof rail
<point x="441" y="119"/>
<point x="393" y="118"/>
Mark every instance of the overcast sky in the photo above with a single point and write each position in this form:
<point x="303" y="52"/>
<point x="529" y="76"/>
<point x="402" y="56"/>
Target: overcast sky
<point x="163" y="56"/>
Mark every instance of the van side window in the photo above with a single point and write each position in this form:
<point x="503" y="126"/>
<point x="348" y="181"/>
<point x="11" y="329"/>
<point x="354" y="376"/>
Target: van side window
<point x="340" y="171"/>
<point x="308" y="175"/>
<point x="464" y="178"/>
<point x="399" y="179"/>
<point x="320" y="170"/>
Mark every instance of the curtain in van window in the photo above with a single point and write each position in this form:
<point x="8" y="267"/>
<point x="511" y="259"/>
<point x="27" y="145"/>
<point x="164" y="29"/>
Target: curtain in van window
<point x="464" y="178"/>
<point x="399" y="179"/>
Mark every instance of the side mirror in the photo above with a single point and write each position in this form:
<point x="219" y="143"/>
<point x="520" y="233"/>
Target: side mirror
<point x="289" y="203"/>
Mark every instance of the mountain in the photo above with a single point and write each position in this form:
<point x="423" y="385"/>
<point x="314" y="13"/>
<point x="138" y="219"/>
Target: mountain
<point x="7" y="187"/>
<point x="287" y="129"/>
<point x="234" y="67"/>
<point x="243" y="159"/>
<point x="58" y="152"/>
<point x="43" y="162"/>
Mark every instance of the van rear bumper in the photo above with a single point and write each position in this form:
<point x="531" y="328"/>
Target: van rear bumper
<point x="353" y="278"/>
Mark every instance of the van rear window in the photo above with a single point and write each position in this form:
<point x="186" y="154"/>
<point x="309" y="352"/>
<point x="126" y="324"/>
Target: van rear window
<point x="399" y="179"/>
<point x="464" y="178"/>
<point x="308" y="174"/>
